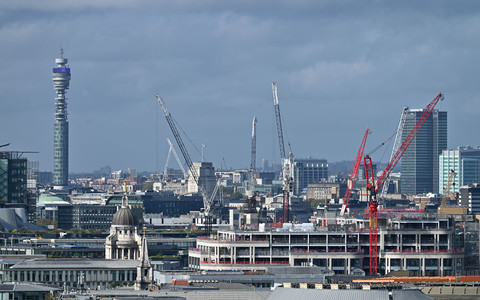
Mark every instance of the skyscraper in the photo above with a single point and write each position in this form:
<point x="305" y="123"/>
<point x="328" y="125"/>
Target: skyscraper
<point x="61" y="82"/>
<point x="420" y="161"/>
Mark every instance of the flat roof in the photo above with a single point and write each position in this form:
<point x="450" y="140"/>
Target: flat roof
<point x="77" y="264"/>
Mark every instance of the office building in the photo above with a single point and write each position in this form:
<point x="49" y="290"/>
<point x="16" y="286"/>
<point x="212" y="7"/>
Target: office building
<point x="420" y="161"/>
<point x="61" y="81"/>
<point x="470" y="198"/>
<point x="465" y="162"/>
<point x="308" y="170"/>
<point x="206" y="175"/>
<point x="13" y="179"/>
<point x="86" y="216"/>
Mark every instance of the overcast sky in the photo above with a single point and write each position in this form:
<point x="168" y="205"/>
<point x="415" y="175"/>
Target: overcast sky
<point x="340" y="66"/>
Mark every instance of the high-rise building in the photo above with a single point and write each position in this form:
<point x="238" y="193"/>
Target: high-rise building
<point x="308" y="170"/>
<point x="465" y="162"/>
<point x="13" y="179"/>
<point x="61" y="81"/>
<point x="420" y="160"/>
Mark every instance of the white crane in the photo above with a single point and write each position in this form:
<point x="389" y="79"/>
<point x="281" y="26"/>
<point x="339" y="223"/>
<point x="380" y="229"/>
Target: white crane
<point x="208" y="204"/>
<point x="251" y="173"/>
<point x="170" y="150"/>
<point x="396" y="146"/>
<point x="287" y="162"/>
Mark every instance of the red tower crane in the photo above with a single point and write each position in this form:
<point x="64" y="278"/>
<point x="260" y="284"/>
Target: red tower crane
<point x="353" y="176"/>
<point x="374" y="187"/>
<point x="372" y="213"/>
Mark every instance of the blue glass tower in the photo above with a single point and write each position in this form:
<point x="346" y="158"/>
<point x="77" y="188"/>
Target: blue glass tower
<point x="61" y="82"/>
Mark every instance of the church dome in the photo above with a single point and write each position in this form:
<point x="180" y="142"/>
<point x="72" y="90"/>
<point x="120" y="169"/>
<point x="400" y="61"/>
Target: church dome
<point x="124" y="217"/>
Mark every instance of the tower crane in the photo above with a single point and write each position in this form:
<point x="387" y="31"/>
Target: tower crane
<point x="278" y="118"/>
<point x="373" y="213"/>
<point x="252" y="181"/>
<point x="408" y="140"/>
<point x="446" y="193"/>
<point x="208" y="201"/>
<point x="170" y="150"/>
<point x="353" y="176"/>
<point x="374" y="186"/>
<point x="396" y="145"/>
<point x="287" y="162"/>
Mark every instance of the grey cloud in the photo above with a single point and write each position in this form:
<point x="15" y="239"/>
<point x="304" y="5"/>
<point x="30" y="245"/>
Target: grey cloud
<point x="341" y="66"/>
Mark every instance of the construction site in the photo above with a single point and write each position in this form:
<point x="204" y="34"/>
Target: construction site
<point x="357" y="237"/>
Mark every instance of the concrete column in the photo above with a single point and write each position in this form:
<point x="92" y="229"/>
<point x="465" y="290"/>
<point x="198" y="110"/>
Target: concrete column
<point x="422" y="266"/>
<point x="308" y="242"/>
<point x="440" y="273"/>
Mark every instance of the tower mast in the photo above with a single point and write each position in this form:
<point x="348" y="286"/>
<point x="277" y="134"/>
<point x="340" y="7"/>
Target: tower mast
<point x="61" y="81"/>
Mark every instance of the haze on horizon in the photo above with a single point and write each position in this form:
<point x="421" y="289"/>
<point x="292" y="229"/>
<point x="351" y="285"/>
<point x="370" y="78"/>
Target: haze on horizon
<point x="340" y="66"/>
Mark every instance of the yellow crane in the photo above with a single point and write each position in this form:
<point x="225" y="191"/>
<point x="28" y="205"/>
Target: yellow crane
<point x="446" y="194"/>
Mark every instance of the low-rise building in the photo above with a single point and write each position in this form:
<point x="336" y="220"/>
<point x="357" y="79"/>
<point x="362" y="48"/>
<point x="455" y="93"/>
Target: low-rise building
<point x="90" y="273"/>
<point x="325" y="191"/>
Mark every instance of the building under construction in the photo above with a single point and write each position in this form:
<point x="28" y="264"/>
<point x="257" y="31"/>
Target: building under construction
<point x="422" y="246"/>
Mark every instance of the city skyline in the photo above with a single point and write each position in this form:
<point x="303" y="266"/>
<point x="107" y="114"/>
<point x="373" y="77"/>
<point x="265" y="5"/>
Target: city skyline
<point x="340" y="67"/>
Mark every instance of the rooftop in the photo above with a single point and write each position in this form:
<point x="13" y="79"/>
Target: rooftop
<point x="79" y="264"/>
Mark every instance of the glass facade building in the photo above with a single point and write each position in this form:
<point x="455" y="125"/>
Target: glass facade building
<point x="13" y="179"/>
<point x="420" y="162"/>
<point x="466" y="164"/>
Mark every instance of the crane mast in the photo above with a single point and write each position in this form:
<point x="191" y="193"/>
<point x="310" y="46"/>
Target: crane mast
<point x="373" y="187"/>
<point x="446" y="192"/>
<point x="396" y="145"/>
<point x="207" y="204"/>
<point x="287" y="162"/>
<point x="373" y="214"/>
<point x="353" y="176"/>
<point x="278" y="118"/>
<point x="253" y="159"/>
